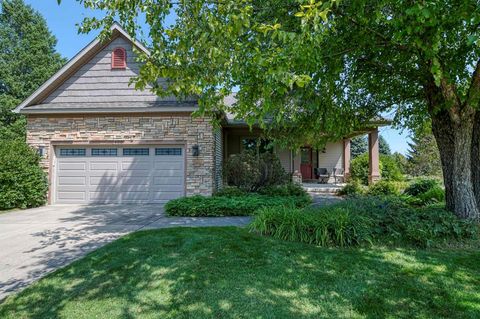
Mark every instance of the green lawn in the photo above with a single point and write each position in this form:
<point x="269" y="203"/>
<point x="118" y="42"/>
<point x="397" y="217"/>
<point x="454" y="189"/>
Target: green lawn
<point x="231" y="273"/>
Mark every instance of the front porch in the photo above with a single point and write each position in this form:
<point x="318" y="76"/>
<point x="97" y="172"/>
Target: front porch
<point x="324" y="170"/>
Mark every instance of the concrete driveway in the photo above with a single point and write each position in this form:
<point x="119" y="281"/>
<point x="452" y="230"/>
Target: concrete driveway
<point x="34" y="242"/>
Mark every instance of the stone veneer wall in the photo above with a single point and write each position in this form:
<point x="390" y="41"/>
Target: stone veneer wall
<point x="180" y="128"/>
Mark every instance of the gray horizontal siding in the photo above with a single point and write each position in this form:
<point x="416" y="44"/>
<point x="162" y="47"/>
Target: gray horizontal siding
<point x="97" y="82"/>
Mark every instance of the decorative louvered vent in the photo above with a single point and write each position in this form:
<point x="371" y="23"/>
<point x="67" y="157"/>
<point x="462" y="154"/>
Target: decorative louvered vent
<point x="119" y="58"/>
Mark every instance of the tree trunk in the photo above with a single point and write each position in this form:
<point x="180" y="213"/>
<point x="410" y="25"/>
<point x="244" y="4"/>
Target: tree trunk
<point x="442" y="129"/>
<point x="476" y="158"/>
<point x="455" y="144"/>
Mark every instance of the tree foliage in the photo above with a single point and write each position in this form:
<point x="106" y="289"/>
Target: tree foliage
<point x="319" y="70"/>
<point x="383" y="146"/>
<point x="423" y="156"/>
<point x="358" y="146"/>
<point x="389" y="168"/>
<point x="27" y="59"/>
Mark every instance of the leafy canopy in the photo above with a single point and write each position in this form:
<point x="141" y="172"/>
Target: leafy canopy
<point x="27" y="59"/>
<point x="315" y="69"/>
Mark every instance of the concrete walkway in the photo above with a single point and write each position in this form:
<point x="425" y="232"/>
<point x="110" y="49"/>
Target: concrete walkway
<point x="34" y="242"/>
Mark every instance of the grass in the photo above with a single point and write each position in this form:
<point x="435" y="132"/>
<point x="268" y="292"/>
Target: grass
<point x="231" y="273"/>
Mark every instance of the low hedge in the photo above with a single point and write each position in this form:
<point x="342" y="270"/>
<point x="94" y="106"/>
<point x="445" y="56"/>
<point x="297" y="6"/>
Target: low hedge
<point x="365" y="220"/>
<point x="201" y="206"/>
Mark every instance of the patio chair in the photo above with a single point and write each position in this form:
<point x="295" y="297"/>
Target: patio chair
<point x="338" y="173"/>
<point x="322" y="174"/>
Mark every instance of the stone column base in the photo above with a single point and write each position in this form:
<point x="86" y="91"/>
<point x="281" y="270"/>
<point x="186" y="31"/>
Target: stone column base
<point x="297" y="178"/>
<point x="372" y="179"/>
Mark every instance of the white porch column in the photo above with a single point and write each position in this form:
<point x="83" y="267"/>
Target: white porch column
<point x="374" y="157"/>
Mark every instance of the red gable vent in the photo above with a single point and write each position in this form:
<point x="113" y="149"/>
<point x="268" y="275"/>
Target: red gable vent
<point x="119" y="58"/>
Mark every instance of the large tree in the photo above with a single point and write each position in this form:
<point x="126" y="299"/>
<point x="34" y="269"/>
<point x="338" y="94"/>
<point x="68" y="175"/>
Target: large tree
<point x="27" y="59"/>
<point x="319" y="70"/>
<point x="359" y="145"/>
<point x="423" y="156"/>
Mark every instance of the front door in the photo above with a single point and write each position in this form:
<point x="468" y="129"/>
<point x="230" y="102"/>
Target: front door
<point x="306" y="163"/>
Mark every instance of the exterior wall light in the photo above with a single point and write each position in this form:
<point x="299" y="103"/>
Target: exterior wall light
<point x="195" y="150"/>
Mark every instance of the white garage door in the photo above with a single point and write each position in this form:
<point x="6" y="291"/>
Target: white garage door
<point x="141" y="174"/>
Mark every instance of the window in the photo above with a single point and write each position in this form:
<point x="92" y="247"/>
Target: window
<point x="306" y="155"/>
<point x="136" y="151"/>
<point x="72" y="152"/>
<point x="104" y="152"/>
<point x="168" y="151"/>
<point x="119" y="58"/>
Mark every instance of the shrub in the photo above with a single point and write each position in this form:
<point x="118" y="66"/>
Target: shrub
<point x="383" y="188"/>
<point x="386" y="220"/>
<point x="353" y="188"/>
<point x="388" y="167"/>
<point x="249" y="171"/>
<point x="23" y="183"/>
<point x="197" y="206"/>
<point x="327" y="227"/>
<point x="359" y="168"/>
<point x="421" y="186"/>
<point x="432" y="196"/>
<point x="397" y="222"/>
<point x="231" y="191"/>
<point x="289" y="189"/>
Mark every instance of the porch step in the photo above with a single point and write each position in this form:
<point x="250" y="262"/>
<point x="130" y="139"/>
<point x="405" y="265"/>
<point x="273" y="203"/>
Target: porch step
<point x="322" y="188"/>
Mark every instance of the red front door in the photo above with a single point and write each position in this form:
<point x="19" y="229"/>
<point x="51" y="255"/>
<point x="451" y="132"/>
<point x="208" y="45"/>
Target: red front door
<point x="306" y="163"/>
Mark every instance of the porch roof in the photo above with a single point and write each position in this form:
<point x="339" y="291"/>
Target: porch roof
<point x="232" y="120"/>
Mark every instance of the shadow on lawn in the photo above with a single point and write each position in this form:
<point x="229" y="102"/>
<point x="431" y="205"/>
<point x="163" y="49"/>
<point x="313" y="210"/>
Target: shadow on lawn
<point x="227" y="272"/>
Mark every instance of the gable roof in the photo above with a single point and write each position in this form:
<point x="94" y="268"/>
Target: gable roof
<point x="35" y="103"/>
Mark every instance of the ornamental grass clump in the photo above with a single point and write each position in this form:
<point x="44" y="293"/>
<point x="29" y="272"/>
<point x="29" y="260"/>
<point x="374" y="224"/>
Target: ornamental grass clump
<point x="365" y="220"/>
<point x="327" y="227"/>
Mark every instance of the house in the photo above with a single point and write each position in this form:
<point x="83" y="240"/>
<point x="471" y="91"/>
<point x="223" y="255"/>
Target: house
<point x="103" y="141"/>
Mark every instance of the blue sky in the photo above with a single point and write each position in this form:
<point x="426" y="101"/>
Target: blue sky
<point x="62" y="22"/>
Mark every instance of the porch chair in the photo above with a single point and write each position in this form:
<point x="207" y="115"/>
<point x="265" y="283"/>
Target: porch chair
<point x="338" y="173"/>
<point x="322" y="174"/>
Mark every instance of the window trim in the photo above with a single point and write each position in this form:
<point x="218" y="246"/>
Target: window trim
<point x="172" y="151"/>
<point x="104" y="149"/>
<point x="136" y="148"/>
<point x="73" y="150"/>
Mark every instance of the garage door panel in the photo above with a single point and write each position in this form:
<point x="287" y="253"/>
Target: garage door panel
<point x="72" y="180"/>
<point x="71" y="196"/>
<point x="135" y="196"/>
<point x="140" y="165"/>
<point x="161" y="180"/>
<point x="71" y="174"/>
<point x="73" y="166"/>
<point x="103" y="166"/>
<point x="119" y="179"/>
<point x="133" y="188"/>
<point x="166" y="188"/>
<point x="167" y="173"/>
<point x="164" y="196"/>
<point x="132" y="174"/>
<point x="134" y="181"/>
<point x="104" y="196"/>
<point x="175" y="165"/>
<point x="103" y="179"/>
